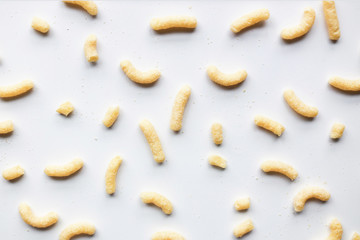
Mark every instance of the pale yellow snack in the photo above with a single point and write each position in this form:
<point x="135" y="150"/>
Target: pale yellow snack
<point x="89" y="6"/>
<point x="337" y="130"/>
<point x="336" y="230"/>
<point x="91" y="53"/>
<point x="243" y="228"/>
<point x="162" y="23"/>
<point x="345" y="84"/>
<point x="302" y="28"/>
<point x="331" y="19"/>
<point x="299" y="106"/>
<point x="250" y="19"/>
<point x="40" y="25"/>
<point x="167" y="235"/>
<point x="16" y="89"/>
<point x="158" y="200"/>
<point x="13" y="172"/>
<point x="64" y="170"/>
<point x="111" y="173"/>
<point x="269" y="125"/>
<point x="35" y="221"/>
<point x="224" y="79"/>
<point x="355" y="236"/>
<point x="279" y="167"/>
<point x="178" y="109"/>
<point x="217" y="133"/>
<point x="6" y="127"/>
<point x="77" y="229"/>
<point x="307" y="193"/>
<point x="242" y="204"/>
<point x="151" y="136"/>
<point x="66" y="108"/>
<point x="111" y="115"/>
<point x="137" y="76"/>
<point x="217" y="161"/>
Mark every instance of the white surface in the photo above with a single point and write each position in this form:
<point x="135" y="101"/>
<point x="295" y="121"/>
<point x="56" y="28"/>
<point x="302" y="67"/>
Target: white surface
<point x="203" y="196"/>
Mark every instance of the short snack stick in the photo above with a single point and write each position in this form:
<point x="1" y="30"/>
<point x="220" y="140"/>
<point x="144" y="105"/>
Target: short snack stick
<point x="226" y="80"/>
<point x="40" y="25"/>
<point x="242" y="204"/>
<point x="345" y="84"/>
<point x="111" y="115"/>
<point x="89" y="6"/>
<point x="13" y="173"/>
<point x="243" y="228"/>
<point x="152" y="138"/>
<point x="307" y="193"/>
<point x="29" y="217"/>
<point x="337" y="130"/>
<point x="299" y="106"/>
<point x="91" y="53"/>
<point x="6" y="127"/>
<point x="158" y="200"/>
<point x="250" y="19"/>
<point x="162" y="23"/>
<point x="66" y="108"/>
<point x="269" y="124"/>
<point x="217" y="161"/>
<point x="16" y="89"/>
<point x="111" y="173"/>
<point x="64" y="170"/>
<point x="302" y="28"/>
<point x="279" y="167"/>
<point x="331" y="19"/>
<point x="336" y="230"/>
<point x="167" y="235"/>
<point x="137" y="76"/>
<point x="77" y="229"/>
<point x="179" y="107"/>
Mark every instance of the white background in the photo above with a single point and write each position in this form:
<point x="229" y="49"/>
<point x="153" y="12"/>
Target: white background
<point x="203" y="196"/>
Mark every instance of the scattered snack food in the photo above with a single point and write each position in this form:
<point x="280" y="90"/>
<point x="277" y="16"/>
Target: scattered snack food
<point x="336" y="230"/>
<point x="250" y="19"/>
<point x="40" y="25"/>
<point x="111" y="173"/>
<point x="152" y="138"/>
<point x="302" y="28"/>
<point x="243" y="228"/>
<point x="345" y="84"/>
<point x="162" y="23"/>
<point x="337" y="130"/>
<point x="332" y="20"/>
<point x="16" y="89"/>
<point x="158" y="200"/>
<point x="30" y="218"/>
<point x="226" y="80"/>
<point x="111" y="115"/>
<point x="178" y="109"/>
<point x="77" y="229"/>
<point x="64" y="170"/>
<point x="242" y="204"/>
<point x="307" y="193"/>
<point x="299" y="106"/>
<point x="269" y="124"/>
<point x="217" y="133"/>
<point x="6" y="127"/>
<point x="66" y="108"/>
<point x="13" y="172"/>
<point x="89" y="6"/>
<point x="279" y="167"/>
<point x="167" y="235"/>
<point x="91" y="53"/>
<point x="137" y="76"/>
<point x="217" y="161"/>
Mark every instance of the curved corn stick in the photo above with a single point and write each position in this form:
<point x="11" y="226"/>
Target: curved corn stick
<point x="16" y="89"/>
<point x="217" y="133"/>
<point x="302" y="28"/>
<point x="344" y="84"/>
<point x="299" y="106"/>
<point x="65" y="109"/>
<point x="269" y="125"/>
<point x="242" y="204"/>
<point x="279" y="167"/>
<point x="6" y="127"/>
<point x="111" y="172"/>
<point x="91" y="53"/>
<point x="13" y="172"/>
<point x="158" y="200"/>
<point x="37" y="222"/>
<point x="226" y="80"/>
<point x="40" y="25"/>
<point x="250" y="19"/>
<point x="217" y="161"/>
<point x="337" y="130"/>
<point x="111" y="115"/>
<point x="65" y="169"/>
<point x="167" y="235"/>
<point x="168" y="22"/>
<point x="331" y="19"/>
<point x="178" y="109"/>
<point x="336" y="230"/>
<point x="137" y="76"/>
<point x="151" y="136"/>
<point x="77" y="229"/>
<point x="243" y="228"/>
<point x="308" y="193"/>
<point x="89" y="6"/>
